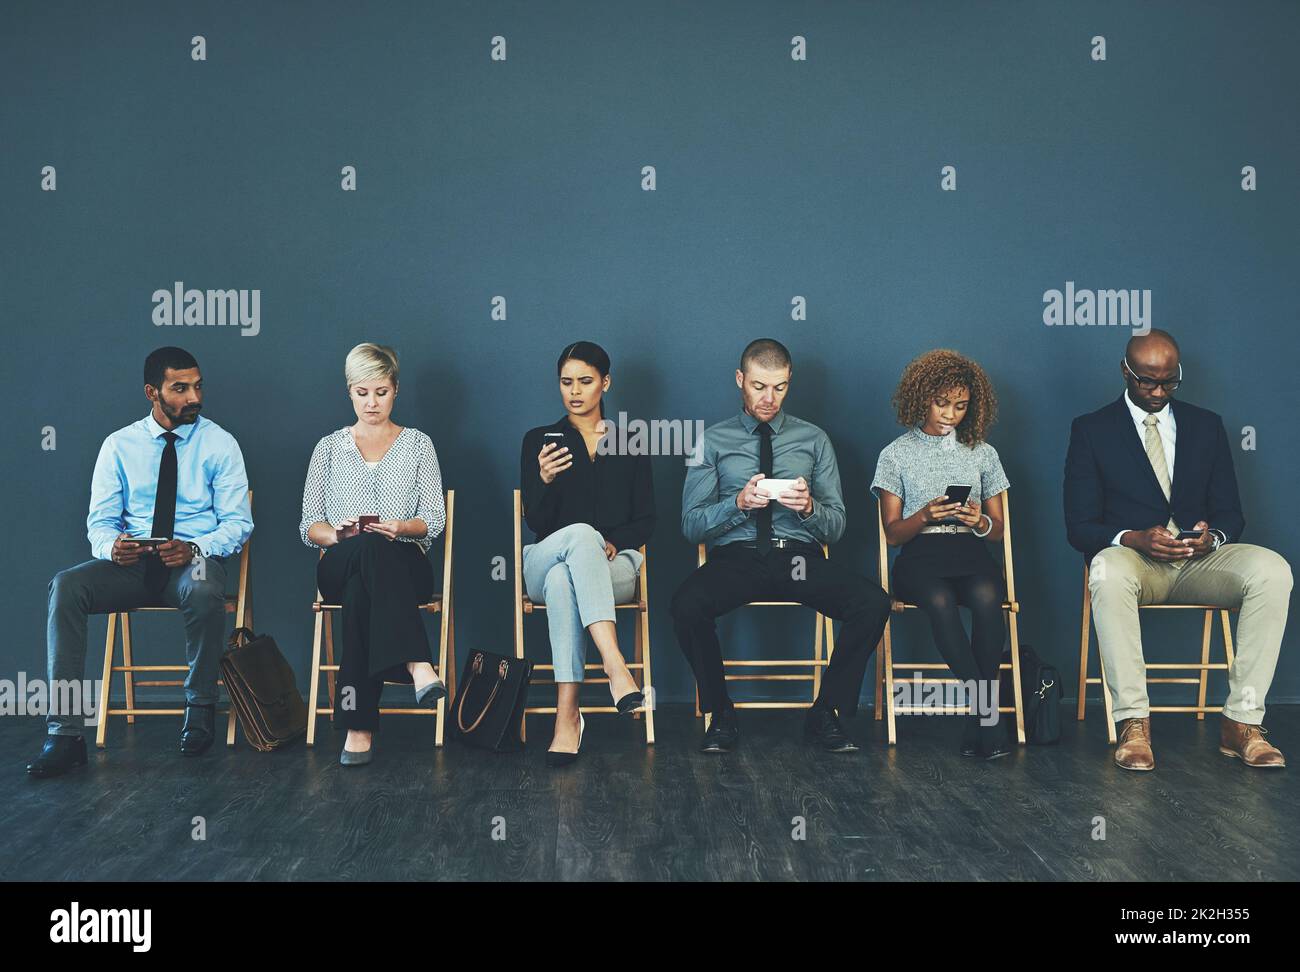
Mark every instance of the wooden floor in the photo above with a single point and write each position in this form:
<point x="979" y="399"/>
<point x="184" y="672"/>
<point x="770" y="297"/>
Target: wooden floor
<point x="627" y="813"/>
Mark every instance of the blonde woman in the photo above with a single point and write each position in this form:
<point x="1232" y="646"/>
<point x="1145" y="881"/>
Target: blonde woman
<point x="379" y="572"/>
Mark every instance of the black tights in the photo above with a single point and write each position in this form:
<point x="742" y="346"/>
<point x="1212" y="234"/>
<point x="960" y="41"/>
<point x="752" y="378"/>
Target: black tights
<point x="978" y="656"/>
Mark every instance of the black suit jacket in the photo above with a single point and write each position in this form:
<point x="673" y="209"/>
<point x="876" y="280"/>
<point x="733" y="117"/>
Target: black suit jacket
<point x="1110" y="485"/>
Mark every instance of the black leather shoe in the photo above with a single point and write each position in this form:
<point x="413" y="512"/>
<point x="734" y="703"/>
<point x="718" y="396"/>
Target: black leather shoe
<point x="196" y="733"/>
<point x="822" y="728"/>
<point x="58" y="755"/>
<point x="993" y="741"/>
<point x="723" y="734"/>
<point x="970" y="736"/>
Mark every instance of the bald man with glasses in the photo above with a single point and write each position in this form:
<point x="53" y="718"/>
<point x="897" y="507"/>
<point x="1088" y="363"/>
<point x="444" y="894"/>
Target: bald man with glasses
<point x="1139" y="473"/>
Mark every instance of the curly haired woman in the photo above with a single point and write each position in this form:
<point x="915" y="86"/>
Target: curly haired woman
<point x="947" y="404"/>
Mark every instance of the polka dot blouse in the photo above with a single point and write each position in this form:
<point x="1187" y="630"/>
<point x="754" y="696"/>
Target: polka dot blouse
<point x="403" y="485"/>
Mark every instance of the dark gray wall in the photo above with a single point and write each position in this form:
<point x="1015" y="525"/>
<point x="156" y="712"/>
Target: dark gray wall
<point x="775" y="178"/>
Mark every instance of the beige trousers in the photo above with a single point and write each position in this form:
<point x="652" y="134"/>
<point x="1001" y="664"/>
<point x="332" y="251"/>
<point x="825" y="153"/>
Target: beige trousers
<point x="1253" y="579"/>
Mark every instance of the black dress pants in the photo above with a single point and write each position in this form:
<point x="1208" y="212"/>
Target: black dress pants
<point x="735" y="574"/>
<point x="379" y="582"/>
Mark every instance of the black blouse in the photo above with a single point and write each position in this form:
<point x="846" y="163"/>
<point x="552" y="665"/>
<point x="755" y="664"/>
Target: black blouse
<point x="613" y="493"/>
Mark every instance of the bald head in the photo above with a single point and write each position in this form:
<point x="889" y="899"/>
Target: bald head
<point x="1153" y="356"/>
<point x="1155" y="343"/>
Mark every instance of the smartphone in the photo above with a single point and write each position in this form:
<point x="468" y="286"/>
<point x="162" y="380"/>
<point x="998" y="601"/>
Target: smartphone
<point x="149" y="541"/>
<point x="556" y="437"/>
<point x="365" y="519"/>
<point x="958" y="493"/>
<point x="1189" y="535"/>
<point x="772" y="487"/>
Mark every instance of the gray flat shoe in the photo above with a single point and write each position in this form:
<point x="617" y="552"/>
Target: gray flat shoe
<point x="431" y="693"/>
<point x="349" y="758"/>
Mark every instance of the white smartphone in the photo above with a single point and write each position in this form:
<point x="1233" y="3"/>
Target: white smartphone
<point x="772" y="487"/>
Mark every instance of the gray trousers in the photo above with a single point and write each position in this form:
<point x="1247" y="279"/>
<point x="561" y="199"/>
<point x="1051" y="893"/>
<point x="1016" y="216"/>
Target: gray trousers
<point x="1237" y="575"/>
<point x="101" y="587"/>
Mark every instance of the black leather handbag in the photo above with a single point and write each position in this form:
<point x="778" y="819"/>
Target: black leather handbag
<point x="489" y="707"/>
<point x="1041" y="694"/>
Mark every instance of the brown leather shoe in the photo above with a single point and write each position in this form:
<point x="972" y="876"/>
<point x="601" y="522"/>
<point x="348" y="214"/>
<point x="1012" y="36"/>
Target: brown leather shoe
<point x="1248" y="744"/>
<point x="1134" y="749"/>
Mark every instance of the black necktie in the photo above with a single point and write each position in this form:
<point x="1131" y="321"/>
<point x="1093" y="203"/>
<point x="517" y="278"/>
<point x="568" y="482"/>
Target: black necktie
<point x="765" y="467"/>
<point x="164" y="509"/>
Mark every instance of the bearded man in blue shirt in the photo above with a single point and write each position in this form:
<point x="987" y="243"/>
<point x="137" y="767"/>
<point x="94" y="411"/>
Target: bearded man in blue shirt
<point x="175" y="479"/>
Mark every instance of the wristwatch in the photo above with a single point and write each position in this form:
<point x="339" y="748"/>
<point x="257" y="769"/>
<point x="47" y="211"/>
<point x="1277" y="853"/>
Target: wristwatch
<point x="1219" y="537"/>
<point x="194" y="548"/>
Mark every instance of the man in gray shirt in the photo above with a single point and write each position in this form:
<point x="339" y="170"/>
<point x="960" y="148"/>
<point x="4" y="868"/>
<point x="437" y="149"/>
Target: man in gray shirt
<point x="769" y="549"/>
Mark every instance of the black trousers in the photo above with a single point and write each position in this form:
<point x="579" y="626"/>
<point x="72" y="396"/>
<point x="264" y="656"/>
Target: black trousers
<point x="379" y="582"/>
<point x="735" y="574"/>
<point x="938" y="572"/>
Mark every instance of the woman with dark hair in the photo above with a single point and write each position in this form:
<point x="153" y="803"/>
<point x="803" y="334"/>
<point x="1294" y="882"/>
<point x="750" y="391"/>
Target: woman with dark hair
<point x="590" y="509"/>
<point x="948" y="404"/>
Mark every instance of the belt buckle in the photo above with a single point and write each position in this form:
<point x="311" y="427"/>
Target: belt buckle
<point x="947" y="528"/>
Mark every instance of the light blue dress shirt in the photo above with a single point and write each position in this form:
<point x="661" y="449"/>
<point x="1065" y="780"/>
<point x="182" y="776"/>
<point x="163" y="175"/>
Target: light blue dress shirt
<point x="211" y="487"/>
<point x="730" y="457"/>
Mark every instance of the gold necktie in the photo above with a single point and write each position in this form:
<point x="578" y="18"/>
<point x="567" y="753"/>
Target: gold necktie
<point x="1156" y="456"/>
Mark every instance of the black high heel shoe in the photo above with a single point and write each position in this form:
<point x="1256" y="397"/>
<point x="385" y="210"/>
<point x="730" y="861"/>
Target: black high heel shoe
<point x="556" y="759"/>
<point x="630" y="703"/>
<point x="970" y="736"/>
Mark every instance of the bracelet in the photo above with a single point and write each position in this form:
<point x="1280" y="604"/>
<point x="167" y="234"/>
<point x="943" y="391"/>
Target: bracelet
<point x="986" y="532"/>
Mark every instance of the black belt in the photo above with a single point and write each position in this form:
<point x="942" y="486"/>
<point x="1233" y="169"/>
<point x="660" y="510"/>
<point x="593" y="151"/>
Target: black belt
<point x="776" y="543"/>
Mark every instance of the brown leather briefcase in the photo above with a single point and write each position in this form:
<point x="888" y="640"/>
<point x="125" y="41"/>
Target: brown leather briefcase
<point x="262" y="690"/>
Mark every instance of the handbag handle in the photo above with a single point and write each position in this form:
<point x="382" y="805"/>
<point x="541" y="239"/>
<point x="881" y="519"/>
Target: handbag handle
<point x="234" y="642"/>
<point x="477" y="669"/>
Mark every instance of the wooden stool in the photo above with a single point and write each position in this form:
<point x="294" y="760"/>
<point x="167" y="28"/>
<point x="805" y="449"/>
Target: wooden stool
<point x="239" y="604"/>
<point x="814" y="664"/>
<point x="640" y="664"/>
<point x="440" y="604"/>
<point x="885" y="664"/>
<point x="1204" y="666"/>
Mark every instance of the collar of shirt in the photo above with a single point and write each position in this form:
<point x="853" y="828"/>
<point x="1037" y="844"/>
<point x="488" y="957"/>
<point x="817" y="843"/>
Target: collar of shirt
<point x="750" y="423"/>
<point x="1165" y="417"/>
<point x="183" y="431"/>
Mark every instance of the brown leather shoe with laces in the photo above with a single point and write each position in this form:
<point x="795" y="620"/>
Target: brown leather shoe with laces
<point x="1134" y="749"/>
<point x="1247" y="743"/>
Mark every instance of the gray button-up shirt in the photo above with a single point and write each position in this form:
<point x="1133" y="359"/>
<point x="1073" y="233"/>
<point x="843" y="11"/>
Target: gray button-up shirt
<point x="730" y="457"/>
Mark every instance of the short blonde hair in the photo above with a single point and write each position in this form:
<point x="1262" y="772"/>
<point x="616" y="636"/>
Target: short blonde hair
<point x="368" y="362"/>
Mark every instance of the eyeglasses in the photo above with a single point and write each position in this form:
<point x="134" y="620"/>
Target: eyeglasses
<point x="1149" y="384"/>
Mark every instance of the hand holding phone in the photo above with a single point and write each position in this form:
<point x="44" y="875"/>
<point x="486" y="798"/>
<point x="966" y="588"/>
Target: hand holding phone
<point x="554" y="457"/>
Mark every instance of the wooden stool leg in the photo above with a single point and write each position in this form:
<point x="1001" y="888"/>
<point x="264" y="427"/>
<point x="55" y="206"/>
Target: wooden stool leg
<point x="128" y="662"/>
<point x="445" y="621"/>
<point x="1229" y="653"/>
<point x="643" y="626"/>
<point x="1206" y="628"/>
<point x="889" y="684"/>
<point x="329" y="658"/>
<point x="817" y="655"/>
<point x="102" y="729"/>
<point x="313" y="694"/>
<point x="1105" y="696"/>
<point x="1012" y="622"/>
<point x="880" y="678"/>
<point x="638" y="655"/>
<point x="1085" y="636"/>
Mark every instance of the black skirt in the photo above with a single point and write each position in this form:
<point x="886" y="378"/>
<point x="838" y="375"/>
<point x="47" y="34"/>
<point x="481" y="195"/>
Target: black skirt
<point x="930" y="555"/>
